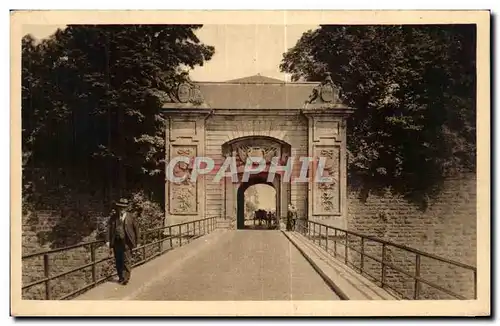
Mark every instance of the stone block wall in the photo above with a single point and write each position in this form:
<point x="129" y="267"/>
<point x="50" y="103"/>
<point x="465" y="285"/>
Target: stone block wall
<point x="447" y="228"/>
<point x="33" y="268"/>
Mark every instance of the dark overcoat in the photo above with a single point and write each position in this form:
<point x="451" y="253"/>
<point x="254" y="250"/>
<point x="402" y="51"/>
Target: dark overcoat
<point x="131" y="230"/>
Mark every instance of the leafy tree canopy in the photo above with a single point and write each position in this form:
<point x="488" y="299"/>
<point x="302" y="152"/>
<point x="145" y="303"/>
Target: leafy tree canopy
<point x="414" y="89"/>
<point x="90" y="108"/>
<point x="251" y="201"/>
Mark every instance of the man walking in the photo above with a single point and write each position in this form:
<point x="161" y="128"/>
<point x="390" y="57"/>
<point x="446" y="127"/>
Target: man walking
<point x="123" y="236"/>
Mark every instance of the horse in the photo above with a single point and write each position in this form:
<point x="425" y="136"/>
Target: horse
<point x="260" y="215"/>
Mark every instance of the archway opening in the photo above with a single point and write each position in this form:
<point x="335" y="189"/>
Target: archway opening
<point x="257" y="204"/>
<point x="268" y="149"/>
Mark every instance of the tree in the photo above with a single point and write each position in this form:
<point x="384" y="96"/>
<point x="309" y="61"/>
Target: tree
<point x="251" y="201"/>
<point x="414" y="91"/>
<point x="91" y="105"/>
<point x="91" y="122"/>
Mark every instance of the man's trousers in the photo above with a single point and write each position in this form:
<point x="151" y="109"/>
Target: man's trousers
<point x="123" y="259"/>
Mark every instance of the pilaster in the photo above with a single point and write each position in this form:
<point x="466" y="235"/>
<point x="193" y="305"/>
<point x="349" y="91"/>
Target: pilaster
<point x="327" y="139"/>
<point x="185" y="137"/>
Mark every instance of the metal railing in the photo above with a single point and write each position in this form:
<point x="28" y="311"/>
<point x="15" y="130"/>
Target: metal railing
<point x="175" y="235"/>
<point x="322" y="235"/>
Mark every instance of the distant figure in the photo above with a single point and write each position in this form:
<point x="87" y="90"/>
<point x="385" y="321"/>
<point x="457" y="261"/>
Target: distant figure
<point x="275" y="220"/>
<point x="123" y="236"/>
<point x="291" y="217"/>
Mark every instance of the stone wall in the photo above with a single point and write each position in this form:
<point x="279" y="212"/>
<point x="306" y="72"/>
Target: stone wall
<point x="33" y="241"/>
<point x="447" y="228"/>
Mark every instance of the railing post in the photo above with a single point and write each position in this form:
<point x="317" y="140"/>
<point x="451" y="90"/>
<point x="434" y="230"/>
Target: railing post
<point x="160" y="241"/>
<point x="326" y="241"/>
<point x="314" y="233"/>
<point x="144" y="247"/>
<point x="346" y="243"/>
<point x="362" y="255"/>
<point x="92" y="258"/>
<point x="180" y="235"/>
<point x="319" y="235"/>
<point x="335" y="243"/>
<point x="382" y="282"/>
<point x="170" y="236"/>
<point x="416" y="292"/>
<point x="475" y="284"/>
<point x="46" y="271"/>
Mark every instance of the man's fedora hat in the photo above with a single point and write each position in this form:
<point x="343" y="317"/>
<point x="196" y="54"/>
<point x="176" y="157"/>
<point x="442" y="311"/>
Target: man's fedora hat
<point x="122" y="203"/>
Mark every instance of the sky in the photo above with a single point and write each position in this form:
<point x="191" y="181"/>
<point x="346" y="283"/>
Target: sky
<point x="240" y="50"/>
<point x="246" y="50"/>
<point x="266" y="196"/>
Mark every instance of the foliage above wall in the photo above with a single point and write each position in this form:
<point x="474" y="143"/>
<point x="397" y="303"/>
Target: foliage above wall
<point x="414" y="89"/>
<point x="90" y="108"/>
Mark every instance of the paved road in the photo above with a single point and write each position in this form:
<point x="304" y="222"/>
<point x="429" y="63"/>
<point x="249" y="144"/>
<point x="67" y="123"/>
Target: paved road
<point x="243" y="265"/>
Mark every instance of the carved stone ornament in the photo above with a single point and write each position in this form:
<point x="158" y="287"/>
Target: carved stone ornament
<point x="331" y="164"/>
<point x="326" y="92"/>
<point x="184" y="199"/>
<point x="183" y="194"/>
<point x="266" y="152"/>
<point x="329" y="93"/>
<point x="327" y="193"/>
<point x="184" y="93"/>
<point x="256" y="148"/>
<point x="196" y="95"/>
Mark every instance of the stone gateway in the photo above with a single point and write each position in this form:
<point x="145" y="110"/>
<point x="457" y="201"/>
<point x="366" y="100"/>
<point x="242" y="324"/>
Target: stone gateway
<point x="256" y="117"/>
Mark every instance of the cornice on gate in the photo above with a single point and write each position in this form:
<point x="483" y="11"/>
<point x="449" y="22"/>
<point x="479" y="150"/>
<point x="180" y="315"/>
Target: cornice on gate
<point x="186" y="98"/>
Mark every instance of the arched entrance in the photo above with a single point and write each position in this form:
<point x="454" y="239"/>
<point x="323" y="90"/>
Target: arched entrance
<point x="263" y="147"/>
<point x="240" y="201"/>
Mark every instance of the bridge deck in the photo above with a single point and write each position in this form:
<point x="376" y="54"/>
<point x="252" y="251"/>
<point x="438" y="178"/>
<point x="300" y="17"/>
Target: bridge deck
<point x="224" y="265"/>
